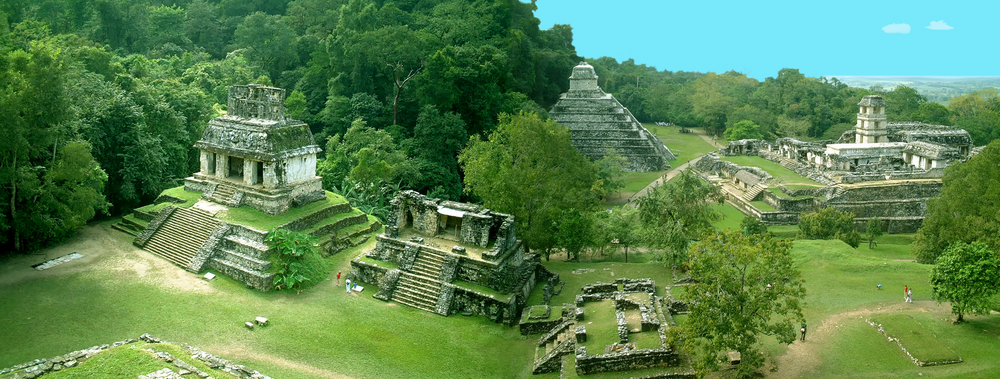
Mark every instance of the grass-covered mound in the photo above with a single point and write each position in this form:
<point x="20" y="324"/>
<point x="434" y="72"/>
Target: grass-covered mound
<point x="129" y="361"/>
<point x="916" y="339"/>
<point x="245" y="215"/>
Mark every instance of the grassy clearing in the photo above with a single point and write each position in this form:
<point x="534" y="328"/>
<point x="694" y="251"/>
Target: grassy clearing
<point x="780" y="174"/>
<point x="635" y="181"/>
<point x="921" y="344"/>
<point x="764" y="207"/>
<point x="244" y="215"/>
<point x="686" y="146"/>
<point x="320" y="332"/>
<point x="731" y="217"/>
<point x="602" y="326"/>
<point x="189" y="197"/>
<point x="778" y="192"/>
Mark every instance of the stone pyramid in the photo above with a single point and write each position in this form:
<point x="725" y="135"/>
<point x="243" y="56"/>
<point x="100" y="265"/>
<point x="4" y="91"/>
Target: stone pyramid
<point x="598" y="123"/>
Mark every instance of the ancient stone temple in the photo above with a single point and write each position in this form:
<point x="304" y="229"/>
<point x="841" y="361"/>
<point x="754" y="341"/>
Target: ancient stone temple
<point x="448" y="257"/>
<point x="598" y="123"/>
<point x="252" y="157"/>
<point x="256" y="155"/>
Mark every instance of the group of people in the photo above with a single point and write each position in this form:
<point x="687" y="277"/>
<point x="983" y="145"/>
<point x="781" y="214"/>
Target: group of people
<point x="907" y="293"/>
<point x="351" y="286"/>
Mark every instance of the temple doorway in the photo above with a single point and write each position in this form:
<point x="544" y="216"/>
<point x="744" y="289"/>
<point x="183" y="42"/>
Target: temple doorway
<point x="235" y="168"/>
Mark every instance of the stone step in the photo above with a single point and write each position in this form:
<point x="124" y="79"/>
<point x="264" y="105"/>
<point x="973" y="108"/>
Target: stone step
<point x="415" y="304"/>
<point x="244" y="260"/>
<point x="423" y="297"/>
<point x="119" y="227"/>
<point x="246" y="246"/>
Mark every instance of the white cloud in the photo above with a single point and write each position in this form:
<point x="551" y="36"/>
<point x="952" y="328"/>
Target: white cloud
<point x="939" y="25"/>
<point x="897" y="28"/>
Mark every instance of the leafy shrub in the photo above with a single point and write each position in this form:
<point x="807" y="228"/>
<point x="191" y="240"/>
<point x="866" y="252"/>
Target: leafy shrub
<point x="829" y="223"/>
<point x="295" y="259"/>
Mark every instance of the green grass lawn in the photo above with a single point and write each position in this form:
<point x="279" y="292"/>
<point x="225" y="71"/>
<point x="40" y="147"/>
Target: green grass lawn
<point x="731" y="217"/>
<point x="635" y="181"/>
<point x="602" y="326"/>
<point x="322" y="332"/>
<point x="686" y="146"/>
<point x="245" y="215"/>
<point x="189" y="197"/>
<point x="915" y="337"/>
<point x="132" y="360"/>
<point x="780" y="174"/>
<point x="764" y="207"/>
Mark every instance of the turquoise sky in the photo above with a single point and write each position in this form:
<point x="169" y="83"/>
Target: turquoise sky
<point x="820" y="38"/>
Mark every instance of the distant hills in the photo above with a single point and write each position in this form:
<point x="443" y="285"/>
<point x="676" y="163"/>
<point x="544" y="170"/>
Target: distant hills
<point x="936" y="88"/>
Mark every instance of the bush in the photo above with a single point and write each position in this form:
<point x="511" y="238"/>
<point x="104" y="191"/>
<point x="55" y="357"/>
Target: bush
<point x="295" y="259"/>
<point x="829" y="223"/>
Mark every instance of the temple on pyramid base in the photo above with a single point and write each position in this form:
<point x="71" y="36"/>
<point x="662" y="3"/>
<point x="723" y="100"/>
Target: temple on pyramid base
<point x="256" y="156"/>
<point x="598" y="123"/>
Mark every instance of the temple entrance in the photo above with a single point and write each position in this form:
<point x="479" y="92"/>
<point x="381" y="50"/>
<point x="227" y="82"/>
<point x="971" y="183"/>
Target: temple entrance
<point x="259" y="177"/>
<point x="235" y="168"/>
<point x="450" y="227"/>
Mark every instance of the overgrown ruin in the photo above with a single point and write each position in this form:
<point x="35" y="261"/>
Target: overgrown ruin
<point x="883" y="170"/>
<point x="253" y="157"/>
<point x="447" y="257"/>
<point x="598" y="123"/>
<point x="637" y="339"/>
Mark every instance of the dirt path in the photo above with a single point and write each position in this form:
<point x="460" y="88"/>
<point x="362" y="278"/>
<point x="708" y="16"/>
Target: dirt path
<point x="245" y="354"/>
<point x="804" y="357"/>
<point x="676" y="170"/>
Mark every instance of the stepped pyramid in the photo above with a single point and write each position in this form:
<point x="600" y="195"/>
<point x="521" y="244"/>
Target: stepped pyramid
<point x="597" y="122"/>
<point x="254" y="156"/>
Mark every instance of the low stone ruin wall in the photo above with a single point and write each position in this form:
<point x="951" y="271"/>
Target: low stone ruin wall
<point x="304" y="223"/>
<point x="623" y="361"/>
<point x="40" y="367"/>
<point x="791" y="205"/>
<point x="469" y="302"/>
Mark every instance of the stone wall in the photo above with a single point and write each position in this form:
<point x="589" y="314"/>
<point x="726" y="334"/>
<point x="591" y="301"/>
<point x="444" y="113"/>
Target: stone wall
<point x="623" y="361"/>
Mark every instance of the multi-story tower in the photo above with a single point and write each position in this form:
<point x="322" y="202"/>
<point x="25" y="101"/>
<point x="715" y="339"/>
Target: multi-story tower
<point x="871" y="126"/>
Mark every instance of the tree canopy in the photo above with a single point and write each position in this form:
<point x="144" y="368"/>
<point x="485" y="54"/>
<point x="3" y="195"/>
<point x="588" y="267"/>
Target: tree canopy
<point x="967" y="209"/>
<point x="744" y="288"/>
<point x="966" y="275"/>
<point x="527" y="167"/>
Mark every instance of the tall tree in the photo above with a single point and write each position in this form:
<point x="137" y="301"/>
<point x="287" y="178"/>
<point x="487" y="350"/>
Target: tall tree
<point x="967" y="209"/>
<point x="745" y="287"/>
<point x="676" y="212"/>
<point x="966" y="275"/>
<point x="528" y="168"/>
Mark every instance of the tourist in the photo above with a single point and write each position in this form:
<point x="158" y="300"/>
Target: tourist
<point x="909" y="295"/>
<point x="906" y="289"/>
<point x="348" y="286"/>
<point x="879" y="285"/>
<point x="338" y="278"/>
<point x="803" y="330"/>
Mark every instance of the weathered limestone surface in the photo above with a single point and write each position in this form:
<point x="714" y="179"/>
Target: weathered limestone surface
<point x="598" y="123"/>
<point x="255" y="155"/>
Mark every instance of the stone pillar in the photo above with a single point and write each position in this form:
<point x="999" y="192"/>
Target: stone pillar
<point x="205" y="156"/>
<point x="248" y="171"/>
<point x="270" y="179"/>
<point x="221" y="165"/>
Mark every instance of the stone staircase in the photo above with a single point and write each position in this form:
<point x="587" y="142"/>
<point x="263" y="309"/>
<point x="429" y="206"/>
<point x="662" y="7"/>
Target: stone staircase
<point x="417" y="291"/>
<point x="549" y="352"/>
<point x="752" y="193"/>
<point x="223" y="194"/>
<point x="244" y="259"/>
<point x="420" y="287"/>
<point x="182" y="235"/>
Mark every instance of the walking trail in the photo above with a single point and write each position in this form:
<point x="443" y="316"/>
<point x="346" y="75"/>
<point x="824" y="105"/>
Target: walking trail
<point x="676" y="170"/>
<point x="803" y="358"/>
